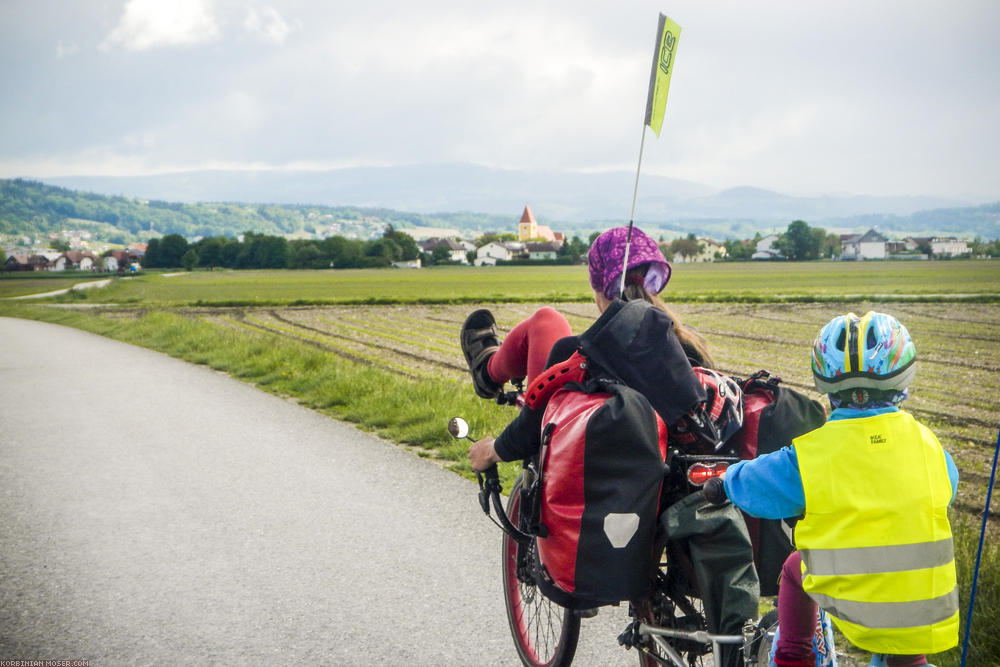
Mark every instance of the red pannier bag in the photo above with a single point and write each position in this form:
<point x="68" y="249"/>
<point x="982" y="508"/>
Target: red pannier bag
<point x="601" y="468"/>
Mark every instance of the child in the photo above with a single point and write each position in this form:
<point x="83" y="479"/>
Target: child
<point x="872" y="486"/>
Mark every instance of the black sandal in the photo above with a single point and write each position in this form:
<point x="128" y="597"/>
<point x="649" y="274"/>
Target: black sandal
<point x="479" y="343"/>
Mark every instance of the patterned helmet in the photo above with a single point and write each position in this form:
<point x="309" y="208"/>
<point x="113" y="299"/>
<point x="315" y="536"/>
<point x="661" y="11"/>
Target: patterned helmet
<point x="718" y="418"/>
<point x="874" y="351"/>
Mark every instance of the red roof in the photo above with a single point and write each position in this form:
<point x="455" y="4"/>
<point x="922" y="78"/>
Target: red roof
<point x="527" y="216"/>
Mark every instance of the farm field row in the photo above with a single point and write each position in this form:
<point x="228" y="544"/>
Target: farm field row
<point x="717" y="282"/>
<point x="958" y="346"/>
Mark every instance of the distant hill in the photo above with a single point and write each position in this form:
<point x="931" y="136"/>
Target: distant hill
<point x="469" y="198"/>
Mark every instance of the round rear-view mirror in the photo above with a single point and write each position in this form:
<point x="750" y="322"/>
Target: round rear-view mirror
<point x="458" y="427"/>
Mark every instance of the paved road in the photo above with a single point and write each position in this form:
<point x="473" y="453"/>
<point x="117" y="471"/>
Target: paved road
<point x="153" y="512"/>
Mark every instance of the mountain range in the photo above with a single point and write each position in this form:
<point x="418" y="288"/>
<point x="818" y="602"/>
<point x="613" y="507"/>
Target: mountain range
<point x="579" y="201"/>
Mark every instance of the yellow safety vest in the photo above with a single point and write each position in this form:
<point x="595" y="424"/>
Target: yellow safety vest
<point x="875" y="541"/>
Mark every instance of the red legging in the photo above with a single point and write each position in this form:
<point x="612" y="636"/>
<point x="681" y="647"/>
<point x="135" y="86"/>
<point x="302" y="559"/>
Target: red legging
<point x="526" y="348"/>
<point x="797" y="622"/>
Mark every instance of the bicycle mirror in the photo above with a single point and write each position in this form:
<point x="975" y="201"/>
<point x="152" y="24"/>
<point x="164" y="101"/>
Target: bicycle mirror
<point x="458" y="427"/>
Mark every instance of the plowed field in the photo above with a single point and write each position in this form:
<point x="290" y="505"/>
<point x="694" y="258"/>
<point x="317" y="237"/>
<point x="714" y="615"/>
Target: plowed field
<point x="958" y="378"/>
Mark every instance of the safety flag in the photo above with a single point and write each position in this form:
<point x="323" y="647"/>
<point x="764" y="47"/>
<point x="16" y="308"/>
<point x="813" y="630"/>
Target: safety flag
<point x="667" y="34"/>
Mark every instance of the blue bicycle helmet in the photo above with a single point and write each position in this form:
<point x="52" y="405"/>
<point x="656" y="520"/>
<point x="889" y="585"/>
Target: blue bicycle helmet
<point x="873" y="351"/>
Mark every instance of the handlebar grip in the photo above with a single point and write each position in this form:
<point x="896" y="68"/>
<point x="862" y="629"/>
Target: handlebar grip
<point x="715" y="491"/>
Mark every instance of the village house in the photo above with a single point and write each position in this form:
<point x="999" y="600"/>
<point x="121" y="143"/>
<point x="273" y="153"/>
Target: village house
<point x="870" y="245"/>
<point x="24" y="262"/>
<point x="710" y="251"/>
<point x="765" y="249"/>
<point x="543" y="251"/>
<point x="81" y="260"/>
<point x="949" y="247"/>
<point x="119" y="260"/>
<point x="494" y="252"/>
<point x="456" y="251"/>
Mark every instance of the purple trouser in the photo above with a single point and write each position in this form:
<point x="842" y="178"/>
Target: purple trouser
<point x="797" y="622"/>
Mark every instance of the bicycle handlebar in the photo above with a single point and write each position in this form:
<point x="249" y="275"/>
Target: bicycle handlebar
<point x="715" y="491"/>
<point x="489" y="492"/>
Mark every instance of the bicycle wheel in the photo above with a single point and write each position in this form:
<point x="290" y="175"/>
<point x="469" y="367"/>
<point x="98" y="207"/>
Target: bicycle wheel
<point x="545" y="633"/>
<point x="670" y="608"/>
<point x="765" y="630"/>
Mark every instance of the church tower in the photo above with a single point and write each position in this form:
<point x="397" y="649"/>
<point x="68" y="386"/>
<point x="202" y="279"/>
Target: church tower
<point x="528" y="227"/>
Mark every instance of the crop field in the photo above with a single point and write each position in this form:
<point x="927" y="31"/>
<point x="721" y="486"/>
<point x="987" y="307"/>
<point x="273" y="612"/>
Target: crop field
<point x="12" y="285"/>
<point x="801" y="281"/>
<point x="958" y="378"/>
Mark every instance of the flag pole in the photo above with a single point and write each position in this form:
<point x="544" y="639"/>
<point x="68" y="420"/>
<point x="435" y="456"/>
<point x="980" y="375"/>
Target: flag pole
<point x="667" y="34"/>
<point x="631" y="215"/>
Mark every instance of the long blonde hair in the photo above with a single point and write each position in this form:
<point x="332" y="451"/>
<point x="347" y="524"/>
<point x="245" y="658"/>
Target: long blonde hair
<point x="690" y="339"/>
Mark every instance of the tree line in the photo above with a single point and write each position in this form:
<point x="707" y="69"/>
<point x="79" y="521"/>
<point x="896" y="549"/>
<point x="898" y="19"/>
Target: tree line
<point x="264" y="251"/>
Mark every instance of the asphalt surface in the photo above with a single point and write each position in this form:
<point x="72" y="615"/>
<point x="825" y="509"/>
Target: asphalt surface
<point x="154" y="512"/>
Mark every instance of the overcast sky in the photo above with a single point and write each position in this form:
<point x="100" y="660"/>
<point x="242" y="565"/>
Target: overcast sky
<point x="854" y="96"/>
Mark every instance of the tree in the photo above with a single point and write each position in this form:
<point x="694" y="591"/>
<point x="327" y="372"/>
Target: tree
<point x="737" y="250"/>
<point x="169" y="251"/>
<point x="189" y="260"/>
<point x="831" y="246"/>
<point x="574" y="248"/>
<point x="210" y="251"/>
<point x="686" y="247"/>
<point x="799" y="242"/>
<point x="405" y="244"/>
<point x="62" y="245"/>
<point x="441" y="255"/>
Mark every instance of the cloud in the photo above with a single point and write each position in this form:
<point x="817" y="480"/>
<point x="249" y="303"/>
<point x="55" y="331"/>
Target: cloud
<point x="267" y="25"/>
<point x="150" y="24"/>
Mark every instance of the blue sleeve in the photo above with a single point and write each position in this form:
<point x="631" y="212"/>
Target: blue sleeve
<point x="768" y="487"/>
<point x="952" y="474"/>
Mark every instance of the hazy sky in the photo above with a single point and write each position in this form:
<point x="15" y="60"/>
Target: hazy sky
<point x="853" y="96"/>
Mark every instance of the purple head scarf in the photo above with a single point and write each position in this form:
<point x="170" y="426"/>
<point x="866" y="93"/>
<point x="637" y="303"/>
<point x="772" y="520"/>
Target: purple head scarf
<point x="608" y="252"/>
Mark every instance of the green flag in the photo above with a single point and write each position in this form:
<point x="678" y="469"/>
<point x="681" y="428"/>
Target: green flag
<point x="667" y="34"/>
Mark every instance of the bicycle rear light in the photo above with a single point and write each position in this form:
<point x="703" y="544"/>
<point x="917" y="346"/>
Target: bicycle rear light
<point x="699" y="473"/>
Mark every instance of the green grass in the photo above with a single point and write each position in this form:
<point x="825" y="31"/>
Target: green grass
<point x="744" y="281"/>
<point x="37" y="282"/>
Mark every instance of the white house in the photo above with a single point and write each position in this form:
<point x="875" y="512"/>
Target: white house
<point x="870" y="245"/>
<point x="949" y="246"/>
<point x="710" y="248"/>
<point x="75" y="259"/>
<point x="547" y="250"/>
<point x="494" y="252"/>
<point x="765" y="249"/>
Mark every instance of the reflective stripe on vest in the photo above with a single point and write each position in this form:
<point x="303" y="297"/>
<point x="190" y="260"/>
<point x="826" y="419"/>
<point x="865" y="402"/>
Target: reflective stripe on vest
<point x="876" y="546"/>
<point x="893" y="558"/>
<point x="892" y="614"/>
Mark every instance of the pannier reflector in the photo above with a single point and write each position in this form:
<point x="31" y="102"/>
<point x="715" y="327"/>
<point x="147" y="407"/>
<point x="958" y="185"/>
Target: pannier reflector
<point x="620" y="528"/>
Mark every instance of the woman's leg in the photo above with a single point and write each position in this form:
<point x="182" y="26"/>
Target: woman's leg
<point x="796" y="618"/>
<point x="524" y="351"/>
